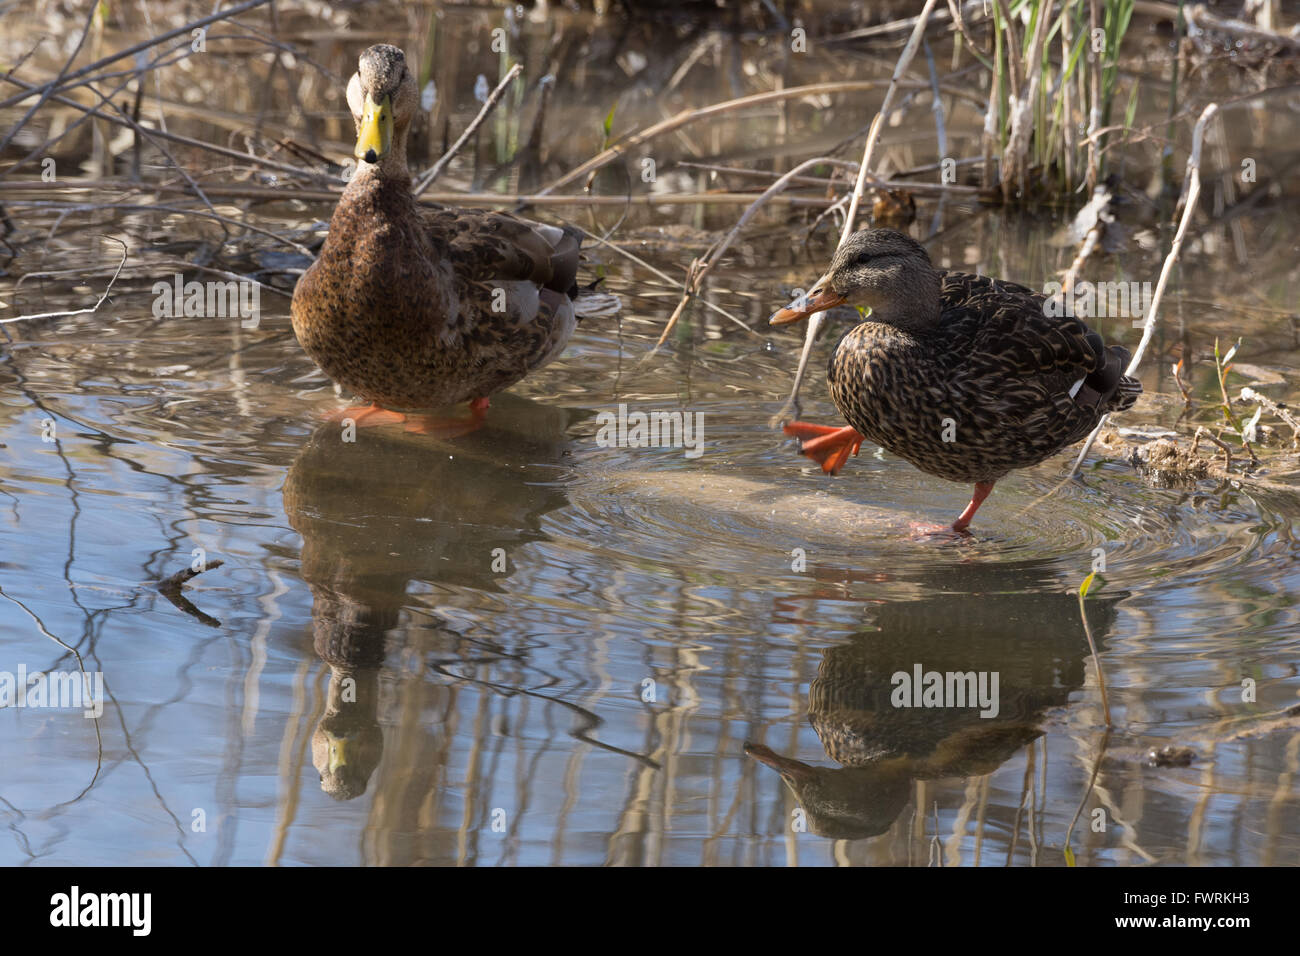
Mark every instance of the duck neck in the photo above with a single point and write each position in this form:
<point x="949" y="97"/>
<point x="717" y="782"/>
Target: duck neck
<point x="917" y="310"/>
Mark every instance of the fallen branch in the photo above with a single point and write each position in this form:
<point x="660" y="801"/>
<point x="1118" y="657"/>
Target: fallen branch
<point x="700" y="267"/>
<point x="1196" y="444"/>
<point x="132" y="50"/>
<point x="667" y="278"/>
<point x="93" y="308"/>
<point x="1250" y="395"/>
<point x="690" y="116"/>
<point x="176" y="137"/>
<point x="1148" y="327"/>
<point x="815" y="320"/>
<point x="175" y="581"/>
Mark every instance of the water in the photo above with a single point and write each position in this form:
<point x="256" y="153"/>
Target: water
<point x="522" y="647"/>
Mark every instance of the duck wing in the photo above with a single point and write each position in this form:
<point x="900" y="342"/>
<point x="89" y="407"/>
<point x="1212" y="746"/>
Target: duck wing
<point x="485" y="247"/>
<point x="1008" y="342"/>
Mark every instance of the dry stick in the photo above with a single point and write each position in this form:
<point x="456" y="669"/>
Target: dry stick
<point x="815" y="320"/>
<point x="607" y="156"/>
<point x="957" y="19"/>
<point x="278" y="194"/>
<point x="153" y="207"/>
<point x="898" y="26"/>
<point x="490" y="104"/>
<point x="173" y="583"/>
<point x="907" y="184"/>
<point x="1085" y="250"/>
<point x="667" y="278"/>
<point x="1148" y="327"/>
<point x="1198" y="16"/>
<point x="1250" y="395"/>
<point x="132" y="50"/>
<point x="700" y="267"/>
<point x="93" y="308"/>
<point x="176" y="138"/>
<point x="1196" y="444"/>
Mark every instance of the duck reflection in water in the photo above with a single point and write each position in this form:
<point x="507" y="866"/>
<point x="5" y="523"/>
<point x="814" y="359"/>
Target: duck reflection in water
<point x="389" y="509"/>
<point x="1035" y="642"/>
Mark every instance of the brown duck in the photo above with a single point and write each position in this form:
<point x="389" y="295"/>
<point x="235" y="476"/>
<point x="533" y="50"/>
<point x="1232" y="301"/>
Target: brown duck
<point x="412" y="307"/>
<point x="967" y="377"/>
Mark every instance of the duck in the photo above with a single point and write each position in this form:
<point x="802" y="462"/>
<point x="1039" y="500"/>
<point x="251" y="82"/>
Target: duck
<point x="412" y="307"/>
<point x="966" y="377"/>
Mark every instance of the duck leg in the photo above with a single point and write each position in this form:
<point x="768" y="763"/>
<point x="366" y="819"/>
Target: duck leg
<point x="982" y="490"/>
<point x="450" y="427"/>
<point x="828" y="446"/>
<point x="367" y="416"/>
<point x="364" y="416"/>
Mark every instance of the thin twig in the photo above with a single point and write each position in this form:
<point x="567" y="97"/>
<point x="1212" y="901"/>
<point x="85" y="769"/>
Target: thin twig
<point x="1148" y="327"/>
<point x="49" y="87"/>
<point x="815" y="320"/>
<point x="177" y="138"/>
<point x="132" y="50"/>
<point x="1250" y="395"/>
<point x="174" y="582"/>
<point x="700" y="267"/>
<point x="616" y="150"/>
<point x="1196" y="443"/>
<point x="669" y="279"/>
<point x="93" y="308"/>
<point x="488" y="106"/>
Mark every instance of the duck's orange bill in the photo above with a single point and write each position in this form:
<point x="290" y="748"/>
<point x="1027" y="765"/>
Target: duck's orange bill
<point x="805" y="306"/>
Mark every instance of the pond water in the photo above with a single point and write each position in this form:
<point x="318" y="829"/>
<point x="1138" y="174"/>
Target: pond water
<point x="522" y="646"/>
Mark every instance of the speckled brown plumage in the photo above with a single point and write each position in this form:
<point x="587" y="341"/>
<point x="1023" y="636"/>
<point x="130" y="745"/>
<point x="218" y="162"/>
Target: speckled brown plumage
<point x="413" y="307"/>
<point x="994" y="366"/>
<point x="966" y="377"/>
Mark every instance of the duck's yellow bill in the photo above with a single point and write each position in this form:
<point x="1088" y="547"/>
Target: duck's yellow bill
<point x="338" y="754"/>
<point x="806" y="305"/>
<point x="375" y="137"/>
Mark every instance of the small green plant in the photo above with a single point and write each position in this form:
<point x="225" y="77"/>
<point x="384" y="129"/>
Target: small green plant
<point x="1055" y="79"/>
<point x="1222" y="366"/>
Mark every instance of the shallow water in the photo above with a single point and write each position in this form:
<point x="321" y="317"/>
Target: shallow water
<point x="522" y="647"/>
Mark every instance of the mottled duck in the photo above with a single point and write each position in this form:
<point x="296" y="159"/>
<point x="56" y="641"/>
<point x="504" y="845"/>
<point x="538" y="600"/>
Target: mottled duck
<point x="966" y="377"/>
<point x="410" y="307"/>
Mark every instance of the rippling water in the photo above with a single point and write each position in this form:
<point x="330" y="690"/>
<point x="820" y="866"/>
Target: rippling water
<point x="524" y="647"/>
<point x="520" y="646"/>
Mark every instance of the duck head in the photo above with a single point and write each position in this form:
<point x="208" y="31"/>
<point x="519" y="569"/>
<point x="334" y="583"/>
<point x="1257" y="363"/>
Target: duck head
<point x="884" y="270"/>
<point x="383" y="98"/>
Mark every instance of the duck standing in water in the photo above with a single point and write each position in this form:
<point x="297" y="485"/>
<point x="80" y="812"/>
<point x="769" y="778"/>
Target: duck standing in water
<point x="411" y="307"/>
<point x="965" y="376"/>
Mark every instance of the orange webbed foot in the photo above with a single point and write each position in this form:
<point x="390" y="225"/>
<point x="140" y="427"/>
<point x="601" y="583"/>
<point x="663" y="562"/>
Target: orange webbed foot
<point x="449" y="427"/>
<point x="365" y="416"/>
<point x="828" y="446"/>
